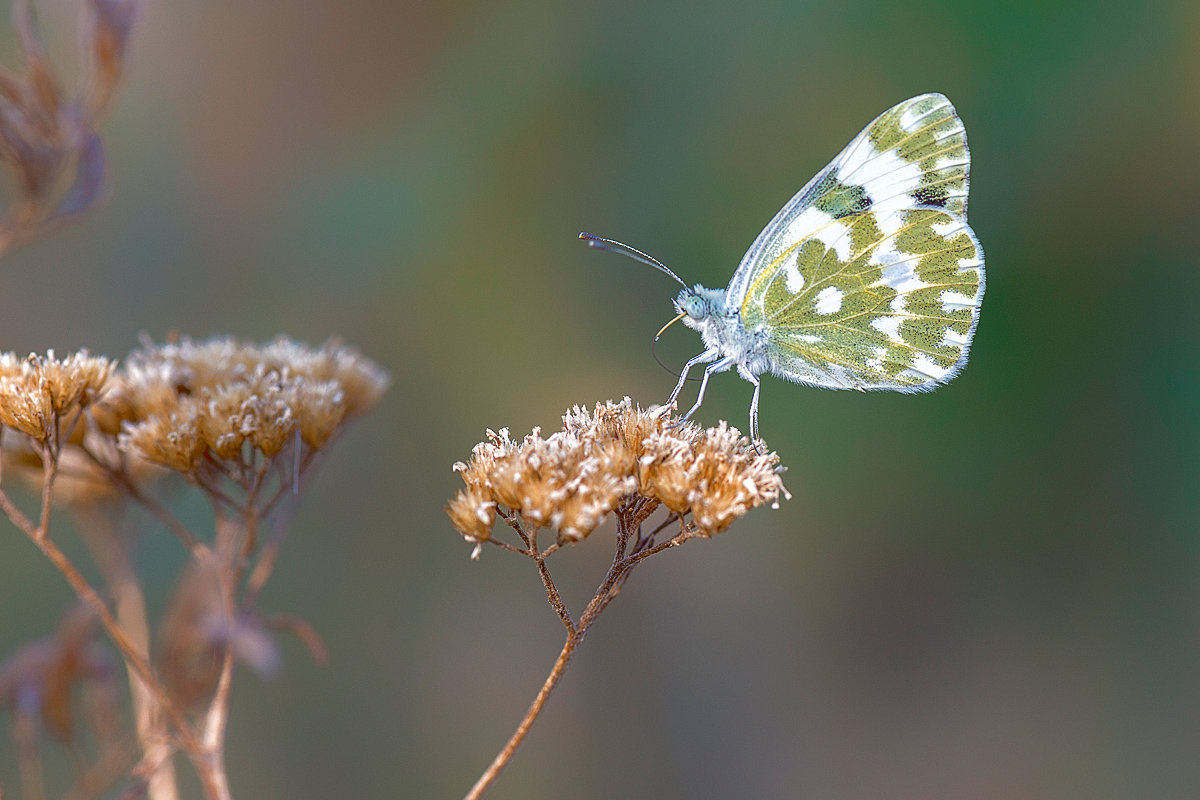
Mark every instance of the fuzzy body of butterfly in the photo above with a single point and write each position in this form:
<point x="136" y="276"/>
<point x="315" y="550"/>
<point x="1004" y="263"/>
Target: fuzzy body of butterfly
<point x="869" y="278"/>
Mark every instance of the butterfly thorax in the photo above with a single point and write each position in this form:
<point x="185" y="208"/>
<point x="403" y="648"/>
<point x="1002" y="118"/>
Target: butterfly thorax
<point x="721" y="330"/>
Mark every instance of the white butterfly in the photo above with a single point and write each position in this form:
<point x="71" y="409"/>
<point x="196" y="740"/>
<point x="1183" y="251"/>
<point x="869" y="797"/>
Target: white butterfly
<point x="869" y="278"/>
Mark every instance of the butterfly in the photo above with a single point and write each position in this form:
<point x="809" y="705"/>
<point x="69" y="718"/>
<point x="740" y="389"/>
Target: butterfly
<point x="869" y="278"/>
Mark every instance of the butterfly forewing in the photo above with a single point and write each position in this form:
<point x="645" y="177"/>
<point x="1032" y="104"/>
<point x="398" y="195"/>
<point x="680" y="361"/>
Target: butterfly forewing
<point x="870" y="278"/>
<point x="915" y="153"/>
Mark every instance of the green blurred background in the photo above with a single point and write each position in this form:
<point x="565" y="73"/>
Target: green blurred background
<point x="986" y="592"/>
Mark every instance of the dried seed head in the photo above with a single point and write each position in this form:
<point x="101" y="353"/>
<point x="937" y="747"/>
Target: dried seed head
<point x="39" y="393"/>
<point x="180" y="402"/>
<point x="604" y="460"/>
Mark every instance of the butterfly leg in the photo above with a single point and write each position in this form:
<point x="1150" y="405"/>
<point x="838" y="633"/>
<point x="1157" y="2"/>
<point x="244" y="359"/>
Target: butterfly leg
<point x="753" y="406"/>
<point x="709" y="371"/>
<point x="707" y="355"/>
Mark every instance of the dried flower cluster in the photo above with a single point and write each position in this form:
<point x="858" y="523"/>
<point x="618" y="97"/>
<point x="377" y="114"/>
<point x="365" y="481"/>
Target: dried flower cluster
<point x="48" y="135"/>
<point x="617" y="456"/>
<point x="189" y="406"/>
<point x="182" y="404"/>
<point x="38" y="393"/>
<point x="243" y="422"/>
<point x="617" y="460"/>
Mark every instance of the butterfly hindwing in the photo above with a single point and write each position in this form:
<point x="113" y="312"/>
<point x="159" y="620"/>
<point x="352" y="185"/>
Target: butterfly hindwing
<point x="872" y="301"/>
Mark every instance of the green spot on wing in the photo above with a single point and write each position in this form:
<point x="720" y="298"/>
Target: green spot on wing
<point x="838" y="199"/>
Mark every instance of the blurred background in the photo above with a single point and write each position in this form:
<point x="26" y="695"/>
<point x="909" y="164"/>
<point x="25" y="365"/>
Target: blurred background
<point x="991" y="591"/>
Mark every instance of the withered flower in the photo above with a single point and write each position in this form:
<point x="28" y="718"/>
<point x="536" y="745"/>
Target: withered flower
<point x="39" y="393"/>
<point x="619" y="460"/>
<point x="181" y="403"/>
<point x="611" y="459"/>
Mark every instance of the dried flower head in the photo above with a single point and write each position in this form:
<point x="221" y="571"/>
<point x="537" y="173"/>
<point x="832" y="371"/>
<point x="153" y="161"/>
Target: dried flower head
<point x="615" y="459"/>
<point x="39" y="393"/>
<point x="181" y="403"/>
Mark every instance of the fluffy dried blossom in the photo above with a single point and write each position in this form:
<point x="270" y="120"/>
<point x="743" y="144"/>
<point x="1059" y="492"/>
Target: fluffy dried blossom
<point x="609" y="459"/>
<point x="182" y="402"/>
<point x="38" y="394"/>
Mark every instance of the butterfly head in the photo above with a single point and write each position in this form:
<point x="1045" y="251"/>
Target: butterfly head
<point x="698" y="304"/>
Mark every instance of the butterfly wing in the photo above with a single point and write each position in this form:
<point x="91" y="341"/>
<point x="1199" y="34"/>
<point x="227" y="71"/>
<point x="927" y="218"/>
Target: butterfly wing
<point x="870" y="277"/>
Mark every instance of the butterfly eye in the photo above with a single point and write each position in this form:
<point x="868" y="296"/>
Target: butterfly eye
<point x="693" y="305"/>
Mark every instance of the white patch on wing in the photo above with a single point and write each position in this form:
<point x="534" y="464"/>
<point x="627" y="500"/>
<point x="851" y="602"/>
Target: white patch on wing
<point x="890" y="223"/>
<point x="829" y="300"/>
<point x="809" y="338"/>
<point x="843" y="377"/>
<point x="953" y="301"/>
<point x="924" y="367"/>
<point x="835" y="238"/>
<point x="792" y="276"/>
<point x="804" y="225"/>
<point x="884" y="176"/>
<point x="952" y="338"/>
<point x="946" y="229"/>
<point x="889" y="327"/>
<point x="902" y="277"/>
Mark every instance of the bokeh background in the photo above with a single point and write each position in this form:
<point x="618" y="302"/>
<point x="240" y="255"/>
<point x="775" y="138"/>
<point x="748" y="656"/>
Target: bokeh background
<point x="991" y="591"/>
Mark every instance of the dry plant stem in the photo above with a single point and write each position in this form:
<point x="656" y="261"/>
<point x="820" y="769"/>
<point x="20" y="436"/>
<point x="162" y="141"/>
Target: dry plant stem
<point x="111" y="556"/>
<point x="609" y="588"/>
<point x="212" y="779"/>
<point x="104" y="773"/>
<point x="133" y="658"/>
<point x="157" y="509"/>
<point x="234" y="534"/>
<point x="29" y="758"/>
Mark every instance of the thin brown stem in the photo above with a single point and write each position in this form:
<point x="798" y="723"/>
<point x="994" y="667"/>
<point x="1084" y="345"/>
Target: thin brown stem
<point x="609" y="588"/>
<point x="111" y="555"/>
<point x="508" y="547"/>
<point x="505" y="755"/>
<point x="233" y="537"/>
<point x="674" y="541"/>
<point x="84" y="590"/>
<point x="156" y="509"/>
<point x="552" y="596"/>
<point x="129" y="652"/>
<point x="212" y="765"/>
<point x="514" y="522"/>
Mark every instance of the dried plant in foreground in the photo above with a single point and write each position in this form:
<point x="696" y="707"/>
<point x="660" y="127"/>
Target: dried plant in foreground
<point x="245" y="424"/>
<point x="616" y="460"/>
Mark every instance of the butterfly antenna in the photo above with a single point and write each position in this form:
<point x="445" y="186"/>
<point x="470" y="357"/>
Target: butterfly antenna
<point x="614" y="246"/>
